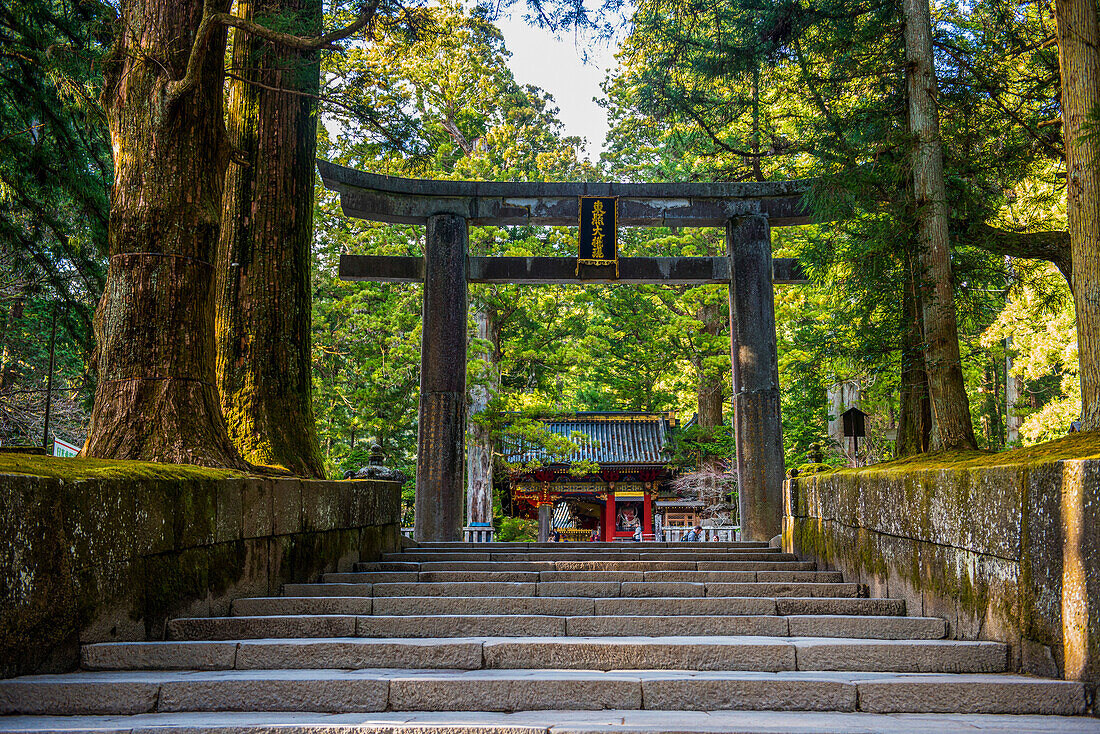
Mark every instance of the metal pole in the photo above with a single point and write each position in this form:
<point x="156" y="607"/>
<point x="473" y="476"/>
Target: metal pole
<point x="49" y="382"/>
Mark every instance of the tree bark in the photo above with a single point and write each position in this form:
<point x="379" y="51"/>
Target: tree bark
<point x="709" y="387"/>
<point x="991" y="410"/>
<point x="7" y="360"/>
<point x="1050" y="246"/>
<point x="1079" y="62"/>
<point x="156" y="397"/>
<point x="950" y="405"/>
<point x="264" y="295"/>
<point x="479" y="447"/>
<point x="915" y="418"/>
<point x="1012" y="397"/>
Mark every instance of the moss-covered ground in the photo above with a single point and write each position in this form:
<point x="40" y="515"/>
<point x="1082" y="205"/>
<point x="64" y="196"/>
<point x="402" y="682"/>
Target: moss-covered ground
<point x="58" y="467"/>
<point x="71" y="468"/>
<point x="1073" y="446"/>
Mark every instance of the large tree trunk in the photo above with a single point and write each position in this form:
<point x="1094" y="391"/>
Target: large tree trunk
<point x="950" y="405"/>
<point x="479" y="447"/>
<point x="264" y="252"/>
<point x="915" y="419"/>
<point x="156" y="398"/>
<point x="7" y="358"/>
<point x="1013" y="388"/>
<point x="709" y="392"/>
<point x="1079" y="61"/>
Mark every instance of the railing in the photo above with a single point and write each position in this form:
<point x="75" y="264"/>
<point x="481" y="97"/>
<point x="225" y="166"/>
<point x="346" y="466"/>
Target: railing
<point x="469" y="534"/>
<point x="672" y="535"/>
<point x="726" y="534"/>
<point x="478" y="534"/>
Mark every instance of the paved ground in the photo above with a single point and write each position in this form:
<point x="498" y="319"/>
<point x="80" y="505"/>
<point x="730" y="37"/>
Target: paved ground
<point x="558" y="722"/>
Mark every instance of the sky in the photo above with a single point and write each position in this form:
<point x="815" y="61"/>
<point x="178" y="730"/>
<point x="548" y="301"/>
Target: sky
<point x="556" y="65"/>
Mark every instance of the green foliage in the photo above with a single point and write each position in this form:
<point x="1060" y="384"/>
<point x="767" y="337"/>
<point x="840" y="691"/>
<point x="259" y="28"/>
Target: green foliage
<point x="1039" y="320"/>
<point x="55" y="172"/>
<point x="750" y="90"/>
<point x="516" y="529"/>
<point x="55" y="166"/>
<point x="738" y="91"/>
<point x="691" y="447"/>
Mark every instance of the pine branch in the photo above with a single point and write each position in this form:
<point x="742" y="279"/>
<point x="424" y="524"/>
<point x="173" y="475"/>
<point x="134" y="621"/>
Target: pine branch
<point x="357" y="112"/>
<point x="212" y="20"/>
<point x="991" y="89"/>
<point x="1050" y="246"/>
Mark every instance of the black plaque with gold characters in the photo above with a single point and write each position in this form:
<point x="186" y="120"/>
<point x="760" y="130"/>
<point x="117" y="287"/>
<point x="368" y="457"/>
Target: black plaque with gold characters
<point x="598" y="229"/>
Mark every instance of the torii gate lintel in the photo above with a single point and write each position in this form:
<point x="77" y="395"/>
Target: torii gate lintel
<point x="747" y="211"/>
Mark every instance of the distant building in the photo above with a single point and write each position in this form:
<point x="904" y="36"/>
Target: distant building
<point x="631" y="484"/>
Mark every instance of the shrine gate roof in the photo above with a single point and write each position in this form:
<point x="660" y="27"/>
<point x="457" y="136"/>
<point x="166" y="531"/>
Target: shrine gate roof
<point x="614" y="438"/>
<point x="379" y="198"/>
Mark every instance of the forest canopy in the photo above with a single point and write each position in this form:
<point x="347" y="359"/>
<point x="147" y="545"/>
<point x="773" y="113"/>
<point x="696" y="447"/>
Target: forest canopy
<point x="950" y="317"/>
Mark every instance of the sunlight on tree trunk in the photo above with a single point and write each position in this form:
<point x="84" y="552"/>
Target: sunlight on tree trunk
<point x="950" y="405"/>
<point x="1079" y="62"/>
<point x="479" y="465"/>
<point x="156" y="398"/>
<point x="915" y="420"/>
<point x="264" y="252"/>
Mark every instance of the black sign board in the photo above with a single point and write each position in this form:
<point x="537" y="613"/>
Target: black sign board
<point x="853" y="423"/>
<point x="598" y="230"/>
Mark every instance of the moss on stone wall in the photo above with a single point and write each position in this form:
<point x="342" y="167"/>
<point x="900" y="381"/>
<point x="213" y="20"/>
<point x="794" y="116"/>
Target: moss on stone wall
<point x="1073" y="446"/>
<point x="105" y="551"/>
<point x="974" y="537"/>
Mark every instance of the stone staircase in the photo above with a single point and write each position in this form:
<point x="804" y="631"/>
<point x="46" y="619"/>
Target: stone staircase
<point x="582" y="637"/>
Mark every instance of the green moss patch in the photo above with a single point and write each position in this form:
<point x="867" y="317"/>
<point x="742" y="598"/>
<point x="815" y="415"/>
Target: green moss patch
<point x="57" y="467"/>
<point x="1073" y="446"/>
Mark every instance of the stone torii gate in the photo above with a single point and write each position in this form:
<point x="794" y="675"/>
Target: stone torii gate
<point x="747" y="211"/>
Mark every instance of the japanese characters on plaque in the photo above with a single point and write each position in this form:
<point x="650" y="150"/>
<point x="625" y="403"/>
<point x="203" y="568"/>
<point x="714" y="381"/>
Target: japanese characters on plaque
<point x="598" y="230"/>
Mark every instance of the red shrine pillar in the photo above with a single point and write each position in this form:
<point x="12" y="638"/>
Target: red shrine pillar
<point x="609" y="518"/>
<point x="647" y="516"/>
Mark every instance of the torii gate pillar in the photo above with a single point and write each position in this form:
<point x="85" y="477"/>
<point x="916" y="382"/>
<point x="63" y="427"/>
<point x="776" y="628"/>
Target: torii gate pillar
<point x="747" y="210"/>
<point x="441" y="436"/>
<point x="758" y="428"/>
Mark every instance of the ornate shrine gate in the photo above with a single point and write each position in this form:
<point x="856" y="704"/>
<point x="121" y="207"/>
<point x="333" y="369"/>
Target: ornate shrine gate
<point x="746" y="210"/>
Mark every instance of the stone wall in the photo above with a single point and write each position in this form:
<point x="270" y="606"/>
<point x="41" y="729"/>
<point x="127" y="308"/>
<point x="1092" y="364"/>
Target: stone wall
<point x="1005" y="548"/>
<point x="92" y="560"/>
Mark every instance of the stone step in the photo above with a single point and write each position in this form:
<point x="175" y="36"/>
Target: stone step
<point x="326" y="690"/>
<point x="329" y="589"/>
<point x="460" y="588"/>
<point x="595" y="549"/>
<point x="621" y="553"/>
<point x="724" y="653"/>
<point x="733" y="652"/>
<point x="784" y="577"/>
<point x="543" y="625"/>
<point x="639" y="606"/>
<point x="775" y="565"/>
<point x="598" y="545"/>
<point x="335" y="616"/>
<point x="759" y="554"/>
<point x="594" y="588"/>
<point x="613" y="721"/>
<point x="746" y="653"/>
